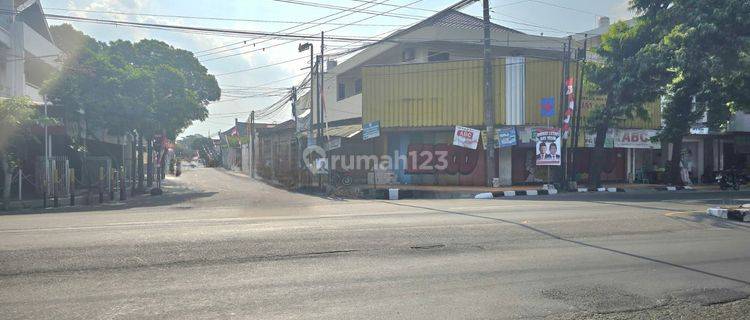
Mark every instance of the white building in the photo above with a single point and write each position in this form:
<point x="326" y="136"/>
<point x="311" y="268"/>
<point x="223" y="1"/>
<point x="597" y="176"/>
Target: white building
<point x="447" y="35"/>
<point x="29" y="55"/>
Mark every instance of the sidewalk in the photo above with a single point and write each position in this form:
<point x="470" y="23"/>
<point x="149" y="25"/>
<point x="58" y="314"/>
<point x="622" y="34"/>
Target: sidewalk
<point x="456" y="192"/>
<point x="37" y="204"/>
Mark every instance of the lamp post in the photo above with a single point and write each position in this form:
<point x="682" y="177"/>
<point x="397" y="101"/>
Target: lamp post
<point x="46" y="151"/>
<point x="83" y="135"/>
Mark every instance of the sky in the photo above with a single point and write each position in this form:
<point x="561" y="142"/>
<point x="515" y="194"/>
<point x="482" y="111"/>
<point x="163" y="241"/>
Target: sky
<point x="252" y="90"/>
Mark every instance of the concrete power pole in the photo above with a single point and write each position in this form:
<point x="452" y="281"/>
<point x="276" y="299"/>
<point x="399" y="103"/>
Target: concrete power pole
<point x="252" y="144"/>
<point x="489" y="98"/>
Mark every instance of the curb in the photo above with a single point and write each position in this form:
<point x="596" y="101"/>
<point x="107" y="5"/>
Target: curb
<point x="675" y="188"/>
<point x="739" y="214"/>
<point x="501" y="194"/>
<point x="601" y="190"/>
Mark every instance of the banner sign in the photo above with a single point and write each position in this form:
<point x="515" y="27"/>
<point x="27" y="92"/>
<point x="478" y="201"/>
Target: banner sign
<point x="466" y="137"/>
<point x="334" y="143"/>
<point x="548" y="147"/>
<point x="635" y="139"/>
<point x="371" y="130"/>
<point x="506" y="137"/>
<point x="625" y="138"/>
<point x="589" y="139"/>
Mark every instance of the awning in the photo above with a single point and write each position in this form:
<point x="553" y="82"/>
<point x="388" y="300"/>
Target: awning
<point x="346" y="131"/>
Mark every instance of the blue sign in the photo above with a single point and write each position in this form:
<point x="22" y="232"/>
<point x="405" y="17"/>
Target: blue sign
<point x="547" y="107"/>
<point x="371" y="130"/>
<point x="506" y="137"/>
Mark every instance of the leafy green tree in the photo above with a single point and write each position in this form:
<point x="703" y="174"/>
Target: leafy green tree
<point x="14" y="113"/>
<point x="200" y="144"/>
<point x="623" y="76"/>
<point x="704" y="44"/>
<point x="148" y="87"/>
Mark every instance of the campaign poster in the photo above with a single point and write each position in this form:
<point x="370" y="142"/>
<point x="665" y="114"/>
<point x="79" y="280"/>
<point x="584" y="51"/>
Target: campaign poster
<point x="506" y="137"/>
<point x="548" y="147"/>
<point x="466" y="137"/>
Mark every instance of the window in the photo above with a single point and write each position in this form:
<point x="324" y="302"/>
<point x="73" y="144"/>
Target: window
<point x="408" y="55"/>
<point x="358" y="86"/>
<point x="437" y="56"/>
<point x="341" y="91"/>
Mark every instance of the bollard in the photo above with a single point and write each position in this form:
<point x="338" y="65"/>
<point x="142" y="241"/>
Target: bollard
<point x="89" y="196"/>
<point x="55" y="184"/>
<point x="101" y="190"/>
<point x="44" y="194"/>
<point x="72" y="182"/>
<point x="111" y="188"/>
<point x="122" y="186"/>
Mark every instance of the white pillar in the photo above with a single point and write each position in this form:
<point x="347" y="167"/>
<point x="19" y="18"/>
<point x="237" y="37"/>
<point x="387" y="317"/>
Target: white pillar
<point x="701" y="157"/>
<point x="715" y="150"/>
<point x="505" y="166"/>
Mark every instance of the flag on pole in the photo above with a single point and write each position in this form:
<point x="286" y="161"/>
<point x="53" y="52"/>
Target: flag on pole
<point x="547" y="107"/>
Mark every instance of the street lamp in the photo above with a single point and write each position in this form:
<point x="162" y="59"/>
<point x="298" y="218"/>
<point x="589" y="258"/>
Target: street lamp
<point x="84" y="134"/>
<point x="47" y="150"/>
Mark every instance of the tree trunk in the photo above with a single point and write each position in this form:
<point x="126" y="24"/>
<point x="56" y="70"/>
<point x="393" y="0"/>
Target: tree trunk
<point x="673" y="173"/>
<point x="7" y="180"/>
<point x="150" y="168"/>
<point x="597" y="157"/>
<point x="140" y="163"/>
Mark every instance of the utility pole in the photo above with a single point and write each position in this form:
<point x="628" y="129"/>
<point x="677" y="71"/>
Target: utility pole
<point x="321" y="96"/>
<point x="252" y="144"/>
<point x="46" y="155"/>
<point x="320" y="100"/>
<point x="563" y="106"/>
<point x="579" y="99"/>
<point x="489" y="104"/>
<point x="300" y="48"/>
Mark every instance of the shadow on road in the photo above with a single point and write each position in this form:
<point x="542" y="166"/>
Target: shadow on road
<point x="579" y="243"/>
<point x="142" y="201"/>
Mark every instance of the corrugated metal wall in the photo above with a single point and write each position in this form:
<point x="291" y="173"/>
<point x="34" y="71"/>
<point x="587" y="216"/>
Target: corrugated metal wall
<point x="653" y="108"/>
<point x="543" y="80"/>
<point x="430" y="94"/>
<point x="450" y="93"/>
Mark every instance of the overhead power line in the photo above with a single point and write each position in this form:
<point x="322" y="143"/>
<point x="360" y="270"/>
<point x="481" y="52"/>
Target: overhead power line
<point x="330" y="6"/>
<point x="207" y="18"/>
<point x="199" y="29"/>
<point x="371" y="4"/>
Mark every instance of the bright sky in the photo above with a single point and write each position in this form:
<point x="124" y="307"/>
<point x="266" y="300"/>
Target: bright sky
<point x="530" y="16"/>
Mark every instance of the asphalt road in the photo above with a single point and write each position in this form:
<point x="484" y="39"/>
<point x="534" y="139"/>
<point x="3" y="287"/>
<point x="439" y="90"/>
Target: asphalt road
<point x="221" y="246"/>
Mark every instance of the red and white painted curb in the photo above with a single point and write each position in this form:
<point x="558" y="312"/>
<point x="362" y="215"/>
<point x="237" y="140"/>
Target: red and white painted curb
<point x="514" y="193"/>
<point x="737" y="214"/>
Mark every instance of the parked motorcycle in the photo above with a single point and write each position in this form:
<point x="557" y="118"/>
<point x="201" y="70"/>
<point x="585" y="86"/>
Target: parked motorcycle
<point x="730" y="179"/>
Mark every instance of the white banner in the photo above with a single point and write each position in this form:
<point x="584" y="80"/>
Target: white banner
<point x="466" y="137"/>
<point x="635" y="139"/>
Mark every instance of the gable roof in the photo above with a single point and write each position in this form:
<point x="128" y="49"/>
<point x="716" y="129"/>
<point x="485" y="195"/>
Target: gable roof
<point x="452" y="18"/>
<point x="31" y="12"/>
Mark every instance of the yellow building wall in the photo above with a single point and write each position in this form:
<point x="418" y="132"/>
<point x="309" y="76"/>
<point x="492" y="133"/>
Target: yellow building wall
<point x="451" y="93"/>
<point x="430" y="94"/>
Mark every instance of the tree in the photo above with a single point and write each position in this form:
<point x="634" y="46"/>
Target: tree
<point x="200" y="144"/>
<point x="148" y="87"/>
<point x="705" y="45"/>
<point x="14" y="112"/>
<point x="622" y="75"/>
